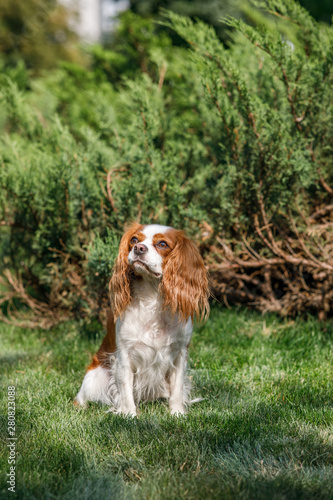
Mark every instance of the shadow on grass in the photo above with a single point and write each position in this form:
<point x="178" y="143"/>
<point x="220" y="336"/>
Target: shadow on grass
<point x="12" y="361"/>
<point x="211" y="431"/>
<point x="50" y="466"/>
<point x="250" y="453"/>
<point x="94" y="331"/>
<point x="261" y="473"/>
<point x="85" y="485"/>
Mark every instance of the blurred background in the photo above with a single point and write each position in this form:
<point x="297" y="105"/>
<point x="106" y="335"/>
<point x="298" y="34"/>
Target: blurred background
<point x="40" y="33"/>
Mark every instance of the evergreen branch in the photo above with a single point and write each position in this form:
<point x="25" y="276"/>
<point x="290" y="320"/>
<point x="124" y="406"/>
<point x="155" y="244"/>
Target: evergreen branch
<point x="109" y="189"/>
<point x="226" y="127"/>
<point x="250" y="114"/>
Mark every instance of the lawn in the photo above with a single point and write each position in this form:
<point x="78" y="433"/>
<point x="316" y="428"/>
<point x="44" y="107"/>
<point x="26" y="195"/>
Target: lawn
<point x="264" y="429"/>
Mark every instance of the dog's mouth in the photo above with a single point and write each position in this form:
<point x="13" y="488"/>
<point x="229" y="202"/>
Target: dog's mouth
<point x="140" y="264"/>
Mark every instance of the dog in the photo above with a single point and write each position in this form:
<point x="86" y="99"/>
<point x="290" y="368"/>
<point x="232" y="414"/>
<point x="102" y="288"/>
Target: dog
<point x="158" y="285"/>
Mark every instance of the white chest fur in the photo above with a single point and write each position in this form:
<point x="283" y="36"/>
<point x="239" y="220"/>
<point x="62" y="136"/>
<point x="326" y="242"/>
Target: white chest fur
<point x="145" y="322"/>
<point x="151" y="347"/>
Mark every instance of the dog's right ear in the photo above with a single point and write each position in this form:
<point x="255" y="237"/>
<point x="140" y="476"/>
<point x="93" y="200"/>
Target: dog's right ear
<point x="120" y="292"/>
<point x="185" y="285"/>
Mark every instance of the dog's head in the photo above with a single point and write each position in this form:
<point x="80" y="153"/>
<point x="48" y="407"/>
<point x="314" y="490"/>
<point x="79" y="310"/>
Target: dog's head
<point x="164" y="255"/>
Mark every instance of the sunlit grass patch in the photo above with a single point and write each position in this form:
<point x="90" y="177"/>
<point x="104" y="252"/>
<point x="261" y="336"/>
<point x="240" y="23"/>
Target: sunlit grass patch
<point x="263" y="430"/>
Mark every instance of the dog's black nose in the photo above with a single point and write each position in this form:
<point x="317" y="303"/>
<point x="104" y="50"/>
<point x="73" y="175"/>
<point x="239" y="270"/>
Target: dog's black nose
<point x="140" y="249"/>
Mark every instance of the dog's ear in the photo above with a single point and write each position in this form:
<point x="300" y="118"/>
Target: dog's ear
<point x="120" y="291"/>
<point x="185" y="284"/>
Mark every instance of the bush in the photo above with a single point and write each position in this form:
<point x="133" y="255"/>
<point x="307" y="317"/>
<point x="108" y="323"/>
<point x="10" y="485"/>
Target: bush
<point x="234" y="145"/>
<point x="272" y="97"/>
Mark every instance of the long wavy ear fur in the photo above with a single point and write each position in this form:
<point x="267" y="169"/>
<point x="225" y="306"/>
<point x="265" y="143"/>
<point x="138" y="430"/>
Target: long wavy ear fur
<point x="185" y="284"/>
<point x="120" y="291"/>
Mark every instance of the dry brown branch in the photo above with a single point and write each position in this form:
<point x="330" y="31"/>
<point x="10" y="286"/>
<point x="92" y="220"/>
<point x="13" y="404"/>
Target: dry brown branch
<point x="288" y="282"/>
<point x="324" y="184"/>
<point x="322" y="211"/>
<point x="162" y="76"/>
<point x="304" y="247"/>
<point x="109" y="189"/>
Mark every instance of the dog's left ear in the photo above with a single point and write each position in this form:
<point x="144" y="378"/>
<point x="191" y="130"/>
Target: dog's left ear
<point x="185" y="284"/>
<point x="120" y="292"/>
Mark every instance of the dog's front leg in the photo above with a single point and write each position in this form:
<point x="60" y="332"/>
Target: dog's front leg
<point x="176" y="400"/>
<point x="125" y="377"/>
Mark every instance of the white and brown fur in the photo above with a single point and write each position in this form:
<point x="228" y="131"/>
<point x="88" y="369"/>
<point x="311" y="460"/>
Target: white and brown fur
<point x="159" y="284"/>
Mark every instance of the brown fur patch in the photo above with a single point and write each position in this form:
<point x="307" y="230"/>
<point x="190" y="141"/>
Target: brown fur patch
<point x="108" y="345"/>
<point x="184" y="284"/>
<point x="120" y="282"/>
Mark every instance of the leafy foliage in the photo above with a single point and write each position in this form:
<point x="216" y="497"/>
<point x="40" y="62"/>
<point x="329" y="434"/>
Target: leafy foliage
<point x="210" y="12"/>
<point x="130" y="48"/>
<point x="234" y="145"/>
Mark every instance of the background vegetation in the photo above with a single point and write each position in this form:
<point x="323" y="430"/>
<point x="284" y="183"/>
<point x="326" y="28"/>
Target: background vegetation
<point x="231" y="142"/>
<point x="36" y="32"/>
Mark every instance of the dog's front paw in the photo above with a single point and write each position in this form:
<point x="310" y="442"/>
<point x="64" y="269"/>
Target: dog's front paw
<point x="126" y="412"/>
<point x="177" y="411"/>
<point x="80" y="403"/>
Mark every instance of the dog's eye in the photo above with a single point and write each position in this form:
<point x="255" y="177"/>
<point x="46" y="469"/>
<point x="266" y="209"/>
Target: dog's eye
<point x="162" y="244"/>
<point x="134" y="240"/>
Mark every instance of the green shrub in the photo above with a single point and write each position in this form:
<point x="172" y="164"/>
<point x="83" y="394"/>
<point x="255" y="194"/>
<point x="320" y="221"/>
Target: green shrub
<point x="233" y="145"/>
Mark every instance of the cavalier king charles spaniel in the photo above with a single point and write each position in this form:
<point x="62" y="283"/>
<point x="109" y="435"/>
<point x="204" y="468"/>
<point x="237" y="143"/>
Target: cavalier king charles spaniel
<point x="158" y="285"/>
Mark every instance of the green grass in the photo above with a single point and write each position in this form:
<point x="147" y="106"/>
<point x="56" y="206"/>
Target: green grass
<point x="264" y="429"/>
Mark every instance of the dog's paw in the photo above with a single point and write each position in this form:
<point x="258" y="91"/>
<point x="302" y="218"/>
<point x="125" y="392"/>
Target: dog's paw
<point x="177" y="412"/>
<point x="80" y="405"/>
<point x="124" y="412"/>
